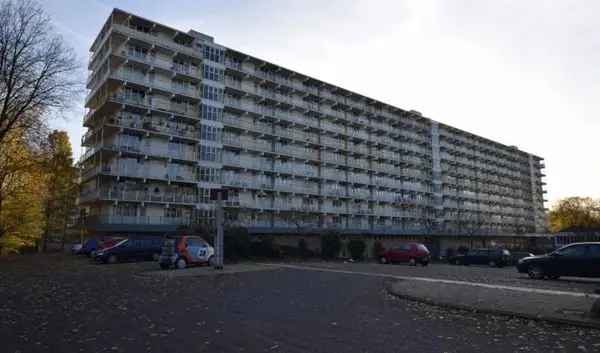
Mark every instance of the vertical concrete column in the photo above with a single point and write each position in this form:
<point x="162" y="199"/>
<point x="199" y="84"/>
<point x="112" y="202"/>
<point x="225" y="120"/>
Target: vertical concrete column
<point x="534" y="196"/>
<point x="436" y="176"/>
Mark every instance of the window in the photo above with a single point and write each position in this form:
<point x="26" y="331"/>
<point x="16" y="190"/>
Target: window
<point x="211" y="175"/>
<point x="572" y="251"/>
<point x="172" y="212"/>
<point x="125" y="210"/>
<point x="204" y="195"/>
<point x="135" y="51"/>
<point x="210" y="133"/>
<point x="212" y="93"/>
<point x="213" y="54"/>
<point x="593" y="251"/>
<point x="212" y="73"/>
<point x="403" y="247"/>
<point x="209" y="153"/>
<point x="211" y="113"/>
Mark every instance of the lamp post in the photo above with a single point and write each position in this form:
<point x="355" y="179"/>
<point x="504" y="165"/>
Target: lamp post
<point x="219" y="195"/>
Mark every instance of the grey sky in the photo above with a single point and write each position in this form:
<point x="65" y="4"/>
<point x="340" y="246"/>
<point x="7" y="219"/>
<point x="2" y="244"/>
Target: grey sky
<point x="523" y="73"/>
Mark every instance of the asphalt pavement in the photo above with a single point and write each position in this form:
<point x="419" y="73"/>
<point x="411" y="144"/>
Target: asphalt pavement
<point x="66" y="304"/>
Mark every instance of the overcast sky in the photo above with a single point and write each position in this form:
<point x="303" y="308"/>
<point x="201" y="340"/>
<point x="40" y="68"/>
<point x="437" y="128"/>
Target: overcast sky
<point x="523" y="73"/>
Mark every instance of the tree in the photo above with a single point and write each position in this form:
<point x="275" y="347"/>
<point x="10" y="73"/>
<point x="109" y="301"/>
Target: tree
<point x="575" y="213"/>
<point x="21" y="194"/>
<point x="61" y="185"/>
<point x="37" y="68"/>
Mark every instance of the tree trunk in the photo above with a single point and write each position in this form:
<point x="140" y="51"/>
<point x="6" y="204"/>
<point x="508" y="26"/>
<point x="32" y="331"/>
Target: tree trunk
<point x="64" y="235"/>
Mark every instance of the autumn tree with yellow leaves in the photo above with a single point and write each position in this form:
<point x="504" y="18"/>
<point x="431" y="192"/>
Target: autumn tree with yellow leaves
<point x="38" y="78"/>
<point x="575" y="213"/>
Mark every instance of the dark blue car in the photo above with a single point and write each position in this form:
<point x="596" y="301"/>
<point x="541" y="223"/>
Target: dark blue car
<point x="90" y="246"/>
<point x="130" y="249"/>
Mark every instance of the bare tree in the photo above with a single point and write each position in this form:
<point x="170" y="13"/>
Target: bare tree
<point x="37" y="69"/>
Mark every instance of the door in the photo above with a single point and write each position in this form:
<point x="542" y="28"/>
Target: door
<point x="593" y="260"/>
<point x="401" y="254"/>
<point x="197" y="250"/>
<point x="569" y="261"/>
<point x="476" y="256"/>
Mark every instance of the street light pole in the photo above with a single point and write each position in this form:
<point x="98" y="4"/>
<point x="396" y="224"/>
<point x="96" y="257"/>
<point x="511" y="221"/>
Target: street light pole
<point x="218" y="264"/>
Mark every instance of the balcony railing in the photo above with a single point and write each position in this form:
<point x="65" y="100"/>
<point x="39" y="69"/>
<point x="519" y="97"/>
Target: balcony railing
<point x="161" y="42"/>
<point x="142" y="196"/>
<point x="137" y="220"/>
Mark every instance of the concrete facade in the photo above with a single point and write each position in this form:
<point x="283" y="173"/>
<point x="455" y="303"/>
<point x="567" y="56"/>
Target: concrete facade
<point x="173" y="114"/>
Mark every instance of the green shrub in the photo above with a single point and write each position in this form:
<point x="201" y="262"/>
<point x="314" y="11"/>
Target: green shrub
<point x="378" y="249"/>
<point x="331" y="244"/>
<point x="357" y="247"/>
<point x="265" y="247"/>
<point x="302" y="248"/>
<point x="236" y="243"/>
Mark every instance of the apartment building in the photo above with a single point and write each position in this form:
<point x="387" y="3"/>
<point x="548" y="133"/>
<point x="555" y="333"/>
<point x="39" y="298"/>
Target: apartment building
<point x="172" y="114"/>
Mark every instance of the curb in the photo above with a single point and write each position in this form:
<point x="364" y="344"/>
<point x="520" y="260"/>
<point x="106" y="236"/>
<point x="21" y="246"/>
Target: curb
<point x="553" y="320"/>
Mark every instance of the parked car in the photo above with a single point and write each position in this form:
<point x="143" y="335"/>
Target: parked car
<point x="496" y="257"/>
<point x="76" y="248"/>
<point x="578" y="259"/>
<point x="412" y="253"/>
<point x="515" y="256"/>
<point x="183" y="251"/>
<point x="90" y="246"/>
<point x="129" y="249"/>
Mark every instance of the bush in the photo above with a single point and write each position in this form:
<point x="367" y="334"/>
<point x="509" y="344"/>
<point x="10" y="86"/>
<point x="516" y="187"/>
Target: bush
<point x="236" y="243"/>
<point x="331" y="244"/>
<point x="293" y="251"/>
<point x="357" y="247"/>
<point x="302" y="248"/>
<point x="378" y="249"/>
<point x="265" y="247"/>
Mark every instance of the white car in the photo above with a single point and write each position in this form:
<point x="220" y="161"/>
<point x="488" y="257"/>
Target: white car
<point x="76" y="248"/>
<point x="183" y="251"/>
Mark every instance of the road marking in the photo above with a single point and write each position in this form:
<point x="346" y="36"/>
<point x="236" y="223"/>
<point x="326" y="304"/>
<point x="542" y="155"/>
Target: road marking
<point x="438" y="280"/>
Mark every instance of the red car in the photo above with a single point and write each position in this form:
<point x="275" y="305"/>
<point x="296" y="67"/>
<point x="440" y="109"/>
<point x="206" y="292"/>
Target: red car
<point x="413" y="253"/>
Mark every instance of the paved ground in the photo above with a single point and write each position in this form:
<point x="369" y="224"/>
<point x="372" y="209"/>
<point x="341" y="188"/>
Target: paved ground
<point x="61" y="304"/>
<point x="480" y="274"/>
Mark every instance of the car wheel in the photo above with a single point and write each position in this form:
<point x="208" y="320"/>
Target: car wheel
<point x="424" y="263"/>
<point x="181" y="263"/>
<point x="383" y="260"/>
<point x="535" y="272"/>
<point x="211" y="260"/>
<point x="112" y="259"/>
<point x="412" y="262"/>
<point x="492" y="263"/>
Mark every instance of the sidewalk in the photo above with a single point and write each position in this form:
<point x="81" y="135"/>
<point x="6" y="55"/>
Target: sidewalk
<point x="554" y="306"/>
<point x="205" y="271"/>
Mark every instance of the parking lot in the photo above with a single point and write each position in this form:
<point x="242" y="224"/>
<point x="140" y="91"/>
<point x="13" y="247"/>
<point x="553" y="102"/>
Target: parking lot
<point x="66" y="304"/>
<point x="479" y="274"/>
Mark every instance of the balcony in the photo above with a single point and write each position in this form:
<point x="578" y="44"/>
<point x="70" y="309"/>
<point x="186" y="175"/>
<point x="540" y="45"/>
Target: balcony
<point x="139" y="196"/>
<point x="140" y="172"/>
<point x="161" y="42"/>
<point x="137" y="220"/>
